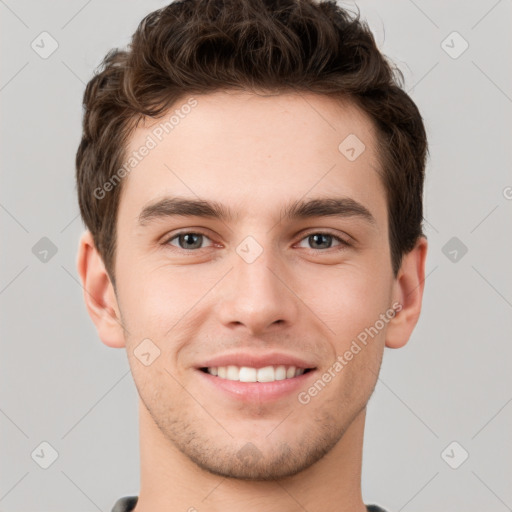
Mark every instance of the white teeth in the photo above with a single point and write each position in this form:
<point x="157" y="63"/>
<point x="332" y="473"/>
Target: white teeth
<point x="280" y="373"/>
<point x="266" y="374"/>
<point x="247" y="374"/>
<point x="232" y="373"/>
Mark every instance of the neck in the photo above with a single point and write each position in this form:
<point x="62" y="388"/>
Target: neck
<point x="171" y="482"/>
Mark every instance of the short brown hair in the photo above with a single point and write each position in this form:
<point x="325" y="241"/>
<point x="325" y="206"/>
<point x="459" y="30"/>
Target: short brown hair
<point x="202" y="46"/>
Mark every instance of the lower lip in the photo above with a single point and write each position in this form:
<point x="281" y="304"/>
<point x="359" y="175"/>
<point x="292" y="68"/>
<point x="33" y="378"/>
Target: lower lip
<point x="257" y="391"/>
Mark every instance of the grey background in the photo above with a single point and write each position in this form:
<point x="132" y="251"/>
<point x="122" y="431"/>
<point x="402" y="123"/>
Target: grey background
<point x="451" y="382"/>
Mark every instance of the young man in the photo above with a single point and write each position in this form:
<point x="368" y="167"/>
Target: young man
<point x="251" y="178"/>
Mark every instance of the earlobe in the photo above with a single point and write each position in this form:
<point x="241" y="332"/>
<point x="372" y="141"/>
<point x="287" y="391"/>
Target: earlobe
<point x="408" y="294"/>
<point x="98" y="293"/>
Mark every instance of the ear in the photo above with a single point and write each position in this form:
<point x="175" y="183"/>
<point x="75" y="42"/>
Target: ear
<point x="99" y="294"/>
<point x="408" y="295"/>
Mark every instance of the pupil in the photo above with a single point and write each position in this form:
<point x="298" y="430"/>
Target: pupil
<point x="316" y="237"/>
<point x="189" y="239"/>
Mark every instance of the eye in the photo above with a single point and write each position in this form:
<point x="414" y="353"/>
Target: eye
<point x="321" y="241"/>
<point x="187" y="240"/>
<point x="190" y="240"/>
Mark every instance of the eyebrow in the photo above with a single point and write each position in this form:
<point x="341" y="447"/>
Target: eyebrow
<point x="299" y="209"/>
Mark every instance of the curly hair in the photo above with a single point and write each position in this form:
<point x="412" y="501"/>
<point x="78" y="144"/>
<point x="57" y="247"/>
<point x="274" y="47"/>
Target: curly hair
<point x="202" y="46"/>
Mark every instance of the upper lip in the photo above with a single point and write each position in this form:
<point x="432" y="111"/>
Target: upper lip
<point x="254" y="360"/>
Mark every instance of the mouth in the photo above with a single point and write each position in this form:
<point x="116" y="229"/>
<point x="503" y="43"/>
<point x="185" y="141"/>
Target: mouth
<point x="251" y="374"/>
<point x="267" y="384"/>
<point x="256" y="377"/>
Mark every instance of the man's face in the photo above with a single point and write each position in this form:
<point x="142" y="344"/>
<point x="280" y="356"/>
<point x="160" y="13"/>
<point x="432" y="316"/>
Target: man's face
<point x="302" y="287"/>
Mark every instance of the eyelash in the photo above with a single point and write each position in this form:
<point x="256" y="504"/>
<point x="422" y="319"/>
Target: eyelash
<point x="342" y="243"/>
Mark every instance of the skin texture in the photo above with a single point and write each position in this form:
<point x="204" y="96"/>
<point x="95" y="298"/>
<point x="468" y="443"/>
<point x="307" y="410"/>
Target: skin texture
<point x="253" y="154"/>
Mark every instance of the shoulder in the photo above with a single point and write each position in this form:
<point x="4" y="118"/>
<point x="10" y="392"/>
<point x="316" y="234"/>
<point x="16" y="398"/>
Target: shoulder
<point x="125" y="504"/>
<point x="374" y="508"/>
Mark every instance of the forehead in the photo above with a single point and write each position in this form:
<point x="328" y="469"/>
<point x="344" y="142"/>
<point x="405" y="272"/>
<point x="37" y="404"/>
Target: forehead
<point x="254" y="152"/>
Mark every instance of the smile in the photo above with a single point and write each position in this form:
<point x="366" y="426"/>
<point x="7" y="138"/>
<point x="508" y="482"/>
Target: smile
<point x="250" y="374"/>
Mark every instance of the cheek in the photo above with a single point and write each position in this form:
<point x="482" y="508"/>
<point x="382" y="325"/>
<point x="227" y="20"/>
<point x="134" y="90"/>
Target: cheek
<point x="152" y="300"/>
<point x="351" y="300"/>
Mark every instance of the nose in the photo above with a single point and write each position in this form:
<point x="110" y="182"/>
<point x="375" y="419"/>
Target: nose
<point x="258" y="295"/>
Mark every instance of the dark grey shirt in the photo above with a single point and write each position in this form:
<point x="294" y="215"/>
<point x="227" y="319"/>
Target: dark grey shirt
<point x="128" y="503"/>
